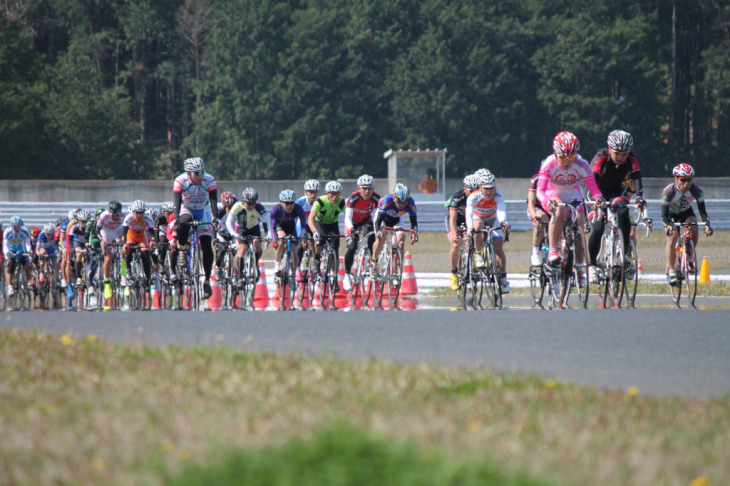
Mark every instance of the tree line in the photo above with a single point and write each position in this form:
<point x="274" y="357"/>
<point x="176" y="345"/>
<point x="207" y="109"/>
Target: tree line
<point x="120" y="89"/>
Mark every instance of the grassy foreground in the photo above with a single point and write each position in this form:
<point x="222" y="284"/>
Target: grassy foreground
<point x="76" y="410"/>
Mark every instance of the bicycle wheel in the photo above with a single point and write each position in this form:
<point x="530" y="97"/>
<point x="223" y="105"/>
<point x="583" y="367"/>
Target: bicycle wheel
<point x="488" y="279"/>
<point x="615" y="275"/>
<point x="394" y="278"/>
<point x="281" y="284"/>
<point x="332" y="279"/>
<point x="462" y="272"/>
<point x="18" y="299"/>
<point x="631" y="275"/>
<point x="582" y="285"/>
<point x="689" y="270"/>
<point x="538" y="281"/>
<point x="362" y="286"/>
<point x="250" y="278"/>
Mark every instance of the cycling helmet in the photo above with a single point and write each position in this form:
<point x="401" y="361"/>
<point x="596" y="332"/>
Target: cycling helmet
<point x="400" y="192"/>
<point x="487" y="180"/>
<point x="35" y="231"/>
<point x="194" y="164"/>
<point x="249" y="194"/>
<point x="138" y="206"/>
<point x="365" y="180"/>
<point x="287" y="196"/>
<point x="311" y="185"/>
<point x="683" y="170"/>
<point x="115" y="207"/>
<point x="565" y="144"/>
<point x="16" y="221"/>
<point x="471" y="182"/>
<point x="98" y="211"/>
<point x="49" y="229"/>
<point x="481" y="172"/>
<point x="333" y="186"/>
<point x="151" y="212"/>
<point x="228" y="198"/>
<point x="168" y="207"/>
<point x="72" y="213"/>
<point x="83" y="215"/>
<point x="620" y="141"/>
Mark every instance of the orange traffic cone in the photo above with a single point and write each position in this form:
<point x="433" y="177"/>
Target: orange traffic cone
<point x="261" y="293"/>
<point x="705" y="272"/>
<point x="155" y="294"/>
<point x="342" y="297"/>
<point x="640" y="268"/>
<point x="408" y="303"/>
<point x="408" y="284"/>
<point x="216" y="296"/>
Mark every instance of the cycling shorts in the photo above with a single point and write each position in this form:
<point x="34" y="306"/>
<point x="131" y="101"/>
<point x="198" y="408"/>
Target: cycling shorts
<point x="493" y="223"/>
<point x="204" y="216"/>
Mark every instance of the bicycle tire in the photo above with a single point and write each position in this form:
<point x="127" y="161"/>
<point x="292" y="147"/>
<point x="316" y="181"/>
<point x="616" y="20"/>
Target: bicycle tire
<point x="631" y="276"/>
<point x="583" y="291"/>
<point x="462" y="273"/>
<point x="689" y="269"/>
<point x="332" y="279"/>
<point x="615" y="270"/>
<point x="487" y="280"/>
<point x="395" y="278"/>
<point x="361" y="282"/>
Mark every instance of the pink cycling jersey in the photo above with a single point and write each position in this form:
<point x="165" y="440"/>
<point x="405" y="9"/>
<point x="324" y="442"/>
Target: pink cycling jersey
<point x="555" y="181"/>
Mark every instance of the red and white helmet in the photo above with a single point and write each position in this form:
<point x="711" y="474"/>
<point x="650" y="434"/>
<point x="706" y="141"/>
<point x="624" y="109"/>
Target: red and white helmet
<point x="683" y="170"/>
<point x="566" y="144"/>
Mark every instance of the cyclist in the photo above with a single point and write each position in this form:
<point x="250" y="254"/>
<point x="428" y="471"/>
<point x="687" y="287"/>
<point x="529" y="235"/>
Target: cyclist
<point x="484" y="208"/>
<point x="390" y="209"/>
<point x="94" y="243"/>
<point x="223" y="236"/>
<point x="66" y="249"/>
<point x="246" y="214"/>
<point x="359" y="215"/>
<point x="161" y="223"/>
<point x="611" y="167"/>
<point x="283" y="223"/>
<point x="559" y="181"/>
<point x="76" y="233"/>
<point x="677" y="201"/>
<point x="16" y="240"/>
<point x="538" y="218"/>
<point x="311" y="193"/>
<point x="323" y="221"/>
<point x="138" y="227"/>
<point x="195" y="195"/>
<point x="110" y="229"/>
<point x="46" y="245"/>
<point x="455" y="219"/>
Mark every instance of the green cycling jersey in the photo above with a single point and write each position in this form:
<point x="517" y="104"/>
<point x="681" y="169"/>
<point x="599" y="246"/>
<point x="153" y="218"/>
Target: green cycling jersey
<point x="327" y="213"/>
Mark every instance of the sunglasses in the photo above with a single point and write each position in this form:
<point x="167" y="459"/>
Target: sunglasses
<point x="288" y="203"/>
<point x="685" y="179"/>
<point x="198" y="172"/>
<point x="568" y="157"/>
<point x="488" y="187"/>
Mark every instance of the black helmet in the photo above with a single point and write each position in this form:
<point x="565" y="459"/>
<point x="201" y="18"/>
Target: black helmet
<point x="115" y="207"/>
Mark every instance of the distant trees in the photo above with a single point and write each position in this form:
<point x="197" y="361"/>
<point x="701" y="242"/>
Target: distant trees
<point x="314" y="88"/>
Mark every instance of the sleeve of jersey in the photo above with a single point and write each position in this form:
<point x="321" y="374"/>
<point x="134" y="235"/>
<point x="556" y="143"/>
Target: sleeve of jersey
<point x="348" y="217"/>
<point x="411" y="207"/>
<point x="177" y="186"/>
<point x="501" y="207"/>
<point x="232" y="218"/>
<point x="302" y="219"/>
<point x="591" y="183"/>
<point x="542" y="185"/>
<point x="469" y="212"/>
<point x="272" y="222"/>
<point x="212" y="185"/>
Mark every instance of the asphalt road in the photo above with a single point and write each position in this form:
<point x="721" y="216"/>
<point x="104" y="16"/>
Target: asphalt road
<point x="659" y="351"/>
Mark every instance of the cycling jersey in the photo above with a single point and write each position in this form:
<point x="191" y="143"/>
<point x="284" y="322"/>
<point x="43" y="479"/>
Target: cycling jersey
<point x="389" y="214"/>
<point x="110" y="226"/>
<point x="245" y="218"/>
<point x="677" y="205"/>
<point x="47" y="243"/>
<point x="281" y="220"/>
<point x="532" y="187"/>
<point x="161" y="225"/>
<point x="564" y="183"/>
<point x="478" y="206"/>
<point x="457" y="202"/>
<point x="136" y="229"/>
<point x="359" y="210"/>
<point x="92" y="234"/>
<point x="327" y="213"/>
<point x="16" y="242"/>
<point x="195" y="197"/>
<point x="610" y="177"/>
<point x="75" y="236"/>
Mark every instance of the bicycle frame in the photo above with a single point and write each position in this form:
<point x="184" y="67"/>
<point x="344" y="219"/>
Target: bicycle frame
<point x="564" y="276"/>
<point x="686" y="264"/>
<point x="391" y="263"/>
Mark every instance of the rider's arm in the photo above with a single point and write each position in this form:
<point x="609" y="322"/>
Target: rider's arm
<point x="703" y="212"/>
<point x="213" y="195"/>
<point x="469" y="212"/>
<point x="453" y="213"/>
<point x="272" y="219"/>
<point x="348" y="219"/>
<point x="312" y="215"/>
<point x="302" y="220"/>
<point x="232" y="218"/>
<point x="592" y="186"/>
<point x="177" y="200"/>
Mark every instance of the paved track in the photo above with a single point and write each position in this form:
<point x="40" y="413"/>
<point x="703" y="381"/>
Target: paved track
<point x="660" y="351"/>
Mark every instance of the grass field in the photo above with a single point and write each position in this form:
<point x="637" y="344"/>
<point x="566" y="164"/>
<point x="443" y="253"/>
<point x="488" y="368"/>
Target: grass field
<point x="75" y="410"/>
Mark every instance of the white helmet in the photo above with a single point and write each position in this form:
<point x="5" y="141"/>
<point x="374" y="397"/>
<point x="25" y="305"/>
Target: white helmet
<point x="400" y="191"/>
<point x="365" y="180"/>
<point x="137" y="206"/>
<point x="333" y="186"/>
<point x="471" y="182"/>
<point x="194" y="164"/>
<point x="311" y="185"/>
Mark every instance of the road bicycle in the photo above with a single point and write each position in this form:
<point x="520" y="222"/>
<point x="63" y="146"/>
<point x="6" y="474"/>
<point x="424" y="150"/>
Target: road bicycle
<point x="188" y="289"/>
<point x="286" y="285"/>
<point x="470" y="283"/>
<point x="48" y="289"/>
<point x="227" y="275"/>
<point x="567" y="274"/>
<point x="686" y="266"/>
<point x="94" y="275"/>
<point x="539" y="276"/>
<point x="323" y="279"/>
<point x="137" y="282"/>
<point x="617" y="267"/>
<point x="490" y="273"/>
<point x="361" y="285"/>
<point x="22" y="299"/>
<point x="246" y="282"/>
<point x="389" y="268"/>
